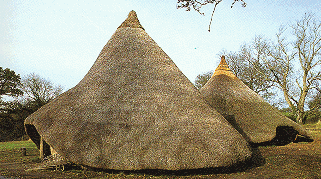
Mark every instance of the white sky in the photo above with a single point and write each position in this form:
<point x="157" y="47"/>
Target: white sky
<point x="60" y="40"/>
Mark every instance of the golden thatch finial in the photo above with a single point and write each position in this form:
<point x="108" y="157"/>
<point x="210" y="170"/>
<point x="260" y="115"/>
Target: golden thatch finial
<point x="223" y="68"/>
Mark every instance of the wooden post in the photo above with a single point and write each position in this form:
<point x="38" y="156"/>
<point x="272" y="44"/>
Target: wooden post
<point x="52" y="151"/>
<point x="41" y="148"/>
<point x="23" y="151"/>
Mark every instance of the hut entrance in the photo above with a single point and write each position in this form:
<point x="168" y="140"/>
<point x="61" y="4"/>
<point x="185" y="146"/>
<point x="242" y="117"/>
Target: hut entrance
<point x="41" y="144"/>
<point x="44" y="148"/>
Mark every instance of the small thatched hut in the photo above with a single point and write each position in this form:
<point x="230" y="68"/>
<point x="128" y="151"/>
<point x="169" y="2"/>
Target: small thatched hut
<point x="135" y="110"/>
<point x="247" y="111"/>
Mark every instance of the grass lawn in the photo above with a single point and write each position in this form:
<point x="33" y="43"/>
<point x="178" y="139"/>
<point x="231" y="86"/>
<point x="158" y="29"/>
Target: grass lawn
<point x="14" y="145"/>
<point x="295" y="160"/>
<point x="11" y="152"/>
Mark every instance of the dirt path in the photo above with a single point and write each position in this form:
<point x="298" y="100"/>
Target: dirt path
<point x="295" y="160"/>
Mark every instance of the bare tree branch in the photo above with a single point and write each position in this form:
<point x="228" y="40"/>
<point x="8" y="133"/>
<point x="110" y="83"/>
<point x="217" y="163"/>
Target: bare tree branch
<point x="198" y="4"/>
<point x="209" y="26"/>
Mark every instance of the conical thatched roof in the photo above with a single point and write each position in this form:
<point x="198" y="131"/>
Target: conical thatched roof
<point x="136" y="110"/>
<point x="247" y="111"/>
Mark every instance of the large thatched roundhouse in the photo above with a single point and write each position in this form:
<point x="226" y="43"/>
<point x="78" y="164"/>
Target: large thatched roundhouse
<point x="135" y="110"/>
<point x="247" y="111"/>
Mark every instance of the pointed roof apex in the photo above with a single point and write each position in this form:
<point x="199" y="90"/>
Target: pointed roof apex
<point x="131" y="21"/>
<point x="223" y="68"/>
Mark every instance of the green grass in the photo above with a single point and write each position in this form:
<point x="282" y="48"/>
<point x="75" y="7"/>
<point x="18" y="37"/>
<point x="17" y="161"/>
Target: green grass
<point x="10" y="151"/>
<point x="16" y="145"/>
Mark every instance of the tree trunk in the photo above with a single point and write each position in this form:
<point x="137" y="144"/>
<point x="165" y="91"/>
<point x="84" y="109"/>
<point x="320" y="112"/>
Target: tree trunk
<point x="304" y="92"/>
<point x="287" y="99"/>
<point x="300" y="117"/>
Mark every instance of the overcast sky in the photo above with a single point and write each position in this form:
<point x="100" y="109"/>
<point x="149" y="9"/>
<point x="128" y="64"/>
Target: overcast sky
<point x="60" y="40"/>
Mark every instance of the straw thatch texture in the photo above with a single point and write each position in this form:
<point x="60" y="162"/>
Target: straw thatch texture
<point x="136" y="110"/>
<point x="256" y="119"/>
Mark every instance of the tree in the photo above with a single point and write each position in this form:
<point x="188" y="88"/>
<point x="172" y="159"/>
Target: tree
<point x="39" y="90"/>
<point x="314" y="113"/>
<point x="264" y="66"/>
<point x="290" y="66"/>
<point x="201" y="79"/>
<point x="9" y="82"/>
<point x="240" y="64"/>
<point x="279" y="60"/>
<point x="308" y="50"/>
<point x="12" y="118"/>
<point x="315" y="103"/>
<point x="198" y="4"/>
<point x="246" y="65"/>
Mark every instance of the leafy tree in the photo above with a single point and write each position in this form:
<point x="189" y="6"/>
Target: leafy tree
<point x="9" y="82"/>
<point x="37" y="92"/>
<point x="12" y="120"/>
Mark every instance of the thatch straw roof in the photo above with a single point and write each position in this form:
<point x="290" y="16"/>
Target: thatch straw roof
<point x="134" y="110"/>
<point x="247" y="111"/>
